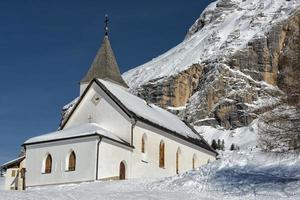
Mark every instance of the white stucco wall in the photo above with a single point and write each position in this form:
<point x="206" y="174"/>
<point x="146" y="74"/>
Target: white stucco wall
<point x="85" y="150"/>
<point x="111" y="154"/>
<point x="10" y="177"/>
<point x="147" y="165"/>
<point x="104" y="113"/>
<point x="14" y="182"/>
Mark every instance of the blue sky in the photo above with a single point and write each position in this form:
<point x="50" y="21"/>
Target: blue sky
<point x="46" y="47"/>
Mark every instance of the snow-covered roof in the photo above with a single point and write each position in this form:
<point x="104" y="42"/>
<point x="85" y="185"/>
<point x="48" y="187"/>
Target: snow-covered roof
<point x="153" y="115"/>
<point x="137" y="108"/>
<point x="149" y="112"/>
<point x="12" y="162"/>
<point x="75" y="132"/>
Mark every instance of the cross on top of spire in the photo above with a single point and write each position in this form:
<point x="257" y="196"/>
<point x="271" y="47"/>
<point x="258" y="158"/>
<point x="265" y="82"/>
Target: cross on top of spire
<point x="106" y="24"/>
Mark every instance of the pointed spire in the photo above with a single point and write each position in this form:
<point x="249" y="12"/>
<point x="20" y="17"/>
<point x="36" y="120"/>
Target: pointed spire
<point x="104" y="65"/>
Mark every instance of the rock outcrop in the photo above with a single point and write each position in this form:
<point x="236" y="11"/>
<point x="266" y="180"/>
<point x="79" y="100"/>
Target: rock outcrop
<point x="232" y="89"/>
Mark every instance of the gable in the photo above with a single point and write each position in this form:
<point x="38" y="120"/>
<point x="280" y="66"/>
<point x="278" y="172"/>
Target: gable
<point x="95" y="106"/>
<point x="134" y="109"/>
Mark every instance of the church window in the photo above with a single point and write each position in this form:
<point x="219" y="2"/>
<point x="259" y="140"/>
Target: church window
<point x="122" y="171"/>
<point x="194" y="161"/>
<point x="162" y="154"/>
<point x="144" y="139"/>
<point x="48" y="164"/>
<point x="13" y="173"/>
<point x="178" y="155"/>
<point x="72" y="161"/>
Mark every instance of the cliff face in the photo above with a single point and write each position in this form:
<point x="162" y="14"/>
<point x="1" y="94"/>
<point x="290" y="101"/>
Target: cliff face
<point x="254" y="80"/>
<point x="238" y="79"/>
<point x="173" y="91"/>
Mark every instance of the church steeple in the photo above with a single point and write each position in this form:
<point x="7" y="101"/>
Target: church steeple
<point x="106" y="24"/>
<point x="104" y="65"/>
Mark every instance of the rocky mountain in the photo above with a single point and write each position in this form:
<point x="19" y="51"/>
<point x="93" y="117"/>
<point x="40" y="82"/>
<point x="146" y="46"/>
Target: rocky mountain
<point x="239" y="60"/>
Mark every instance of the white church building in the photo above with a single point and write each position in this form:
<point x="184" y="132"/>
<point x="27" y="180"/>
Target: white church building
<point x="107" y="133"/>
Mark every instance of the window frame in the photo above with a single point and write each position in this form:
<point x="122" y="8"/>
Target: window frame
<point x="162" y="152"/>
<point x="47" y="168"/>
<point x="71" y="168"/>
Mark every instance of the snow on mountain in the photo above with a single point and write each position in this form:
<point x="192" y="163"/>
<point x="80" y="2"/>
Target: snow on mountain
<point x="238" y="175"/>
<point x="224" y="27"/>
<point x="244" y="137"/>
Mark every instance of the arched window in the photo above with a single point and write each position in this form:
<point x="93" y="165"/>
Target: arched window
<point x="144" y="140"/>
<point x="178" y="155"/>
<point x="122" y="170"/>
<point x="48" y="164"/>
<point x="72" y="161"/>
<point x="194" y="161"/>
<point x="162" y="154"/>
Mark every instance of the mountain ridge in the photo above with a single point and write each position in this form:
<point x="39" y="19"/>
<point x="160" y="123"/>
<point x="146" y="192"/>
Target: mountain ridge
<point x="249" y="66"/>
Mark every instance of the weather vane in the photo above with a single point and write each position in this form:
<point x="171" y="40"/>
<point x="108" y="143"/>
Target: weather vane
<point x="106" y="24"/>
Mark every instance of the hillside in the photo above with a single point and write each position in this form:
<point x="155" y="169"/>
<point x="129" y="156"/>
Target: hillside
<point x="232" y="64"/>
<point x="238" y="62"/>
<point x="239" y="175"/>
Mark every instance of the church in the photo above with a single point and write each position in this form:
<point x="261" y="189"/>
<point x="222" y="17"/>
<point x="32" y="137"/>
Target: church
<point x="107" y="133"/>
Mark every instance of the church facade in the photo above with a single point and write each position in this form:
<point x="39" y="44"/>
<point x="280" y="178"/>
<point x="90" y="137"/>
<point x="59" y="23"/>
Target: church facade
<point x="109" y="134"/>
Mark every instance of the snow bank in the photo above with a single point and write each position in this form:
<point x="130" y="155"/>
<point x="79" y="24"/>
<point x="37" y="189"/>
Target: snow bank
<point x="244" y="137"/>
<point x="1" y="184"/>
<point x="241" y="175"/>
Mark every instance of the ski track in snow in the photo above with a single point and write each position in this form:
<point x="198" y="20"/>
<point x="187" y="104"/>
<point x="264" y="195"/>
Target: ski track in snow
<point x="238" y="175"/>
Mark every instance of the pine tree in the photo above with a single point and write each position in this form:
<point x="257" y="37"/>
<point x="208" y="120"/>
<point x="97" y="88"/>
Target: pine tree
<point x="223" y="145"/>
<point x="214" y="144"/>
<point x="232" y="147"/>
<point x="219" y="144"/>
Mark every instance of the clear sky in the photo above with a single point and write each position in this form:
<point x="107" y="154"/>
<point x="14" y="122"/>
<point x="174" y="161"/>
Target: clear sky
<point x="46" y="47"/>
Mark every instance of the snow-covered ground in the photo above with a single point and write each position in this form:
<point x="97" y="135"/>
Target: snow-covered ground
<point x="1" y="184"/>
<point x="238" y="175"/>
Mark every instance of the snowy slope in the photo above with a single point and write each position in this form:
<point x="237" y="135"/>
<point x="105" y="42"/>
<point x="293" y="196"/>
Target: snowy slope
<point x="244" y="137"/>
<point x="238" y="175"/>
<point x="228" y="26"/>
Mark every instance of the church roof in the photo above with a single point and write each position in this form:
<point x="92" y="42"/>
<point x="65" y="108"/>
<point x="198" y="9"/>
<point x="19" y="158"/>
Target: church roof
<point x="154" y="115"/>
<point x="104" y="65"/>
<point x="150" y="114"/>
<point x="83" y="130"/>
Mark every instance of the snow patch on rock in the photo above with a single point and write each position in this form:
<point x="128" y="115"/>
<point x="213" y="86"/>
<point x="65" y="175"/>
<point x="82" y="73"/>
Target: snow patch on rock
<point x="222" y="29"/>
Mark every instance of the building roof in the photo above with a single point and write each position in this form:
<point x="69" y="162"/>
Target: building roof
<point x="79" y="131"/>
<point x="153" y="115"/>
<point x="138" y="109"/>
<point x="12" y="163"/>
<point x="104" y="65"/>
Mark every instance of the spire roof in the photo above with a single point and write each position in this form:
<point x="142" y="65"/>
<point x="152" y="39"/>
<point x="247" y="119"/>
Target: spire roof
<point x="105" y="65"/>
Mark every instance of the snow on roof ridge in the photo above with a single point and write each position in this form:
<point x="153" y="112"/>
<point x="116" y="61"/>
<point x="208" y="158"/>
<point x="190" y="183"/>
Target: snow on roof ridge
<point x="150" y="112"/>
<point x="75" y="131"/>
<point x="12" y="161"/>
